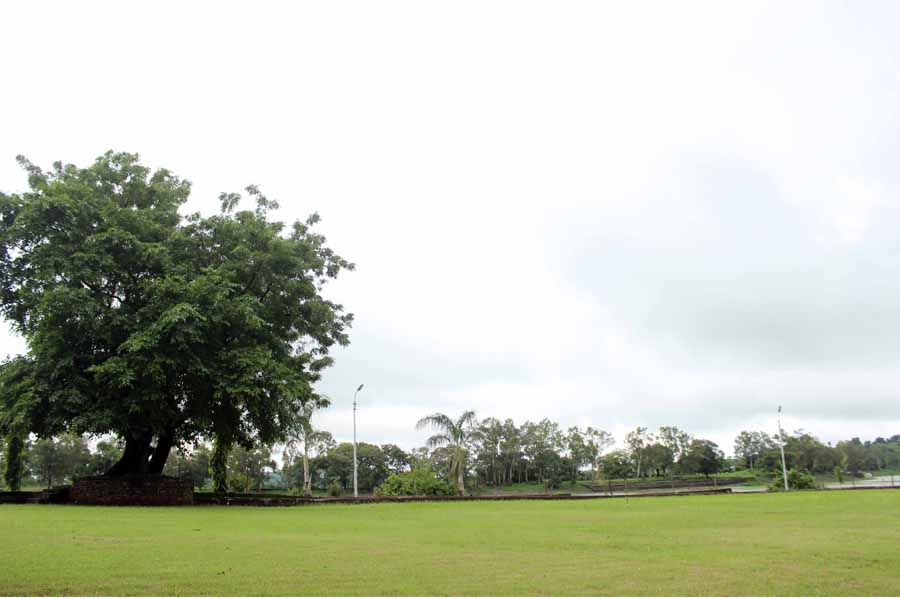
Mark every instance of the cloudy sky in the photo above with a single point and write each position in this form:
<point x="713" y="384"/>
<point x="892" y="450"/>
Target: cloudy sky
<point x="605" y="214"/>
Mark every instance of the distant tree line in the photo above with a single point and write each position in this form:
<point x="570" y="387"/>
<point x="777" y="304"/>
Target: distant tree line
<point x="805" y="452"/>
<point x="488" y="453"/>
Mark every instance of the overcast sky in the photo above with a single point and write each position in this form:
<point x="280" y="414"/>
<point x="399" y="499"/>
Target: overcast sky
<point x="605" y="214"/>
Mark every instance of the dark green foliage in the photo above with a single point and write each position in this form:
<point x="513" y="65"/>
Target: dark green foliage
<point x="16" y="400"/>
<point x="702" y="456"/>
<point x="658" y="459"/>
<point x="14" y="462"/>
<point x="797" y="480"/>
<point x="156" y="327"/>
<point x="616" y="465"/>
<point x="852" y="455"/>
<point x="336" y="465"/>
<point x="396" y="459"/>
<point x="418" y="482"/>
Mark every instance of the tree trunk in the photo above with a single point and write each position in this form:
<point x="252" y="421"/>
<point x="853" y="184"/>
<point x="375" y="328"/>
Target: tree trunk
<point x="15" y="462"/>
<point x="134" y="457"/>
<point x="307" y="482"/>
<point x="219" y="464"/>
<point x="161" y="452"/>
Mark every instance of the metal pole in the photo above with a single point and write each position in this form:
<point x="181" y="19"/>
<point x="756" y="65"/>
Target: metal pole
<point x="355" y="487"/>
<point x="781" y="446"/>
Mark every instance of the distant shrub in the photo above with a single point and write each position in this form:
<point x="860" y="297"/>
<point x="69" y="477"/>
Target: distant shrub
<point x="838" y="474"/>
<point x="797" y="480"/>
<point x="553" y="483"/>
<point x="418" y="482"/>
<point x="335" y="489"/>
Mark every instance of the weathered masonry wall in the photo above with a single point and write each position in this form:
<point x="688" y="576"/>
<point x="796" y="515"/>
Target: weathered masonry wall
<point x="137" y="490"/>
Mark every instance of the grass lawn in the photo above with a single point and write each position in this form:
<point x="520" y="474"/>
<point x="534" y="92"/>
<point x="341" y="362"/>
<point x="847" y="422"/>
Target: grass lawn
<point x="837" y="543"/>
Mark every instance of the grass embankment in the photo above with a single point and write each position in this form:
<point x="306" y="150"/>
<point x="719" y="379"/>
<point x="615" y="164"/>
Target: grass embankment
<point x="813" y="543"/>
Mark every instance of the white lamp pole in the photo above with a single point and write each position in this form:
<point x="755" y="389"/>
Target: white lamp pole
<point x="781" y="446"/>
<point x="355" y="488"/>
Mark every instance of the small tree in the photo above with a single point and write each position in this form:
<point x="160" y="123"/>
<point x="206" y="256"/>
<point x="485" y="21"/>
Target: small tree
<point x="597" y="442"/>
<point x="309" y="439"/>
<point x="455" y="435"/>
<point x="637" y="441"/>
<point x="704" y="457"/>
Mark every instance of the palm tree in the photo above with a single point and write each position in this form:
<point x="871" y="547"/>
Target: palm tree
<point x="455" y="435"/>
<point x="302" y="433"/>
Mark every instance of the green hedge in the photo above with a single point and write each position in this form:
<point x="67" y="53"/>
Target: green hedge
<point x="419" y="482"/>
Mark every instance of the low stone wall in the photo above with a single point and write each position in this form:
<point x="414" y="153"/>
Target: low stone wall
<point x="17" y="498"/>
<point x="132" y="490"/>
<point x="609" y="486"/>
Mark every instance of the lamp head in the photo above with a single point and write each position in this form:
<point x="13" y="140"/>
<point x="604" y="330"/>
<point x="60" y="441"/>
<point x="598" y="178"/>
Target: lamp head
<point x="360" y="387"/>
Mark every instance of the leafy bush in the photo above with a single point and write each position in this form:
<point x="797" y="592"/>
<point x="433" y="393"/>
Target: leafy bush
<point x="797" y="480"/>
<point x="418" y="482"/>
<point x="335" y="489"/>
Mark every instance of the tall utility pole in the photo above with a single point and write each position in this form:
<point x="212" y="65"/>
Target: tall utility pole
<point x="355" y="488"/>
<point x="781" y="446"/>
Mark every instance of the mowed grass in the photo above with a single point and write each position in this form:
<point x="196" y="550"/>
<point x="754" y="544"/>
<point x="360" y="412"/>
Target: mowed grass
<point x="813" y="543"/>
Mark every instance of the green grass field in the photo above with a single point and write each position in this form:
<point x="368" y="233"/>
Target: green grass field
<point x="837" y="543"/>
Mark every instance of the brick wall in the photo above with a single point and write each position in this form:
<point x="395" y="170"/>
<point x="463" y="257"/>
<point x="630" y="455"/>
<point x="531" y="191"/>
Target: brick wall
<point x="132" y="490"/>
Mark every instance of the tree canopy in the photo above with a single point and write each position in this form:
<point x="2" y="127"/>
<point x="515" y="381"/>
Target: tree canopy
<point x="155" y="326"/>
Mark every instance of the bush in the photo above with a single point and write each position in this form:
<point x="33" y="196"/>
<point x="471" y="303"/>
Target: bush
<point x="418" y="482"/>
<point x="335" y="489"/>
<point x="797" y="480"/>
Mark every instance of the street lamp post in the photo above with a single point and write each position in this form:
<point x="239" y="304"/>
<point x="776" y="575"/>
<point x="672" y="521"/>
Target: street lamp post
<point x="355" y="488"/>
<point x="781" y="446"/>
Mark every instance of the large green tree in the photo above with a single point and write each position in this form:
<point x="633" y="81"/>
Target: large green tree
<point x="750" y="445"/>
<point x="702" y="456"/>
<point x="597" y="442"/>
<point x="159" y="327"/>
<point x="337" y="466"/>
